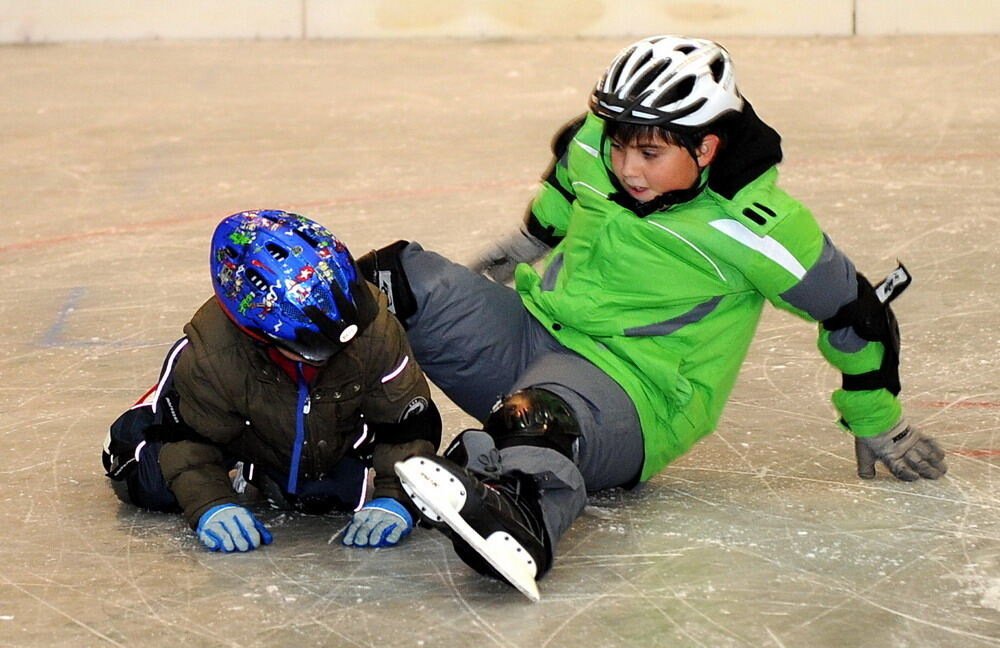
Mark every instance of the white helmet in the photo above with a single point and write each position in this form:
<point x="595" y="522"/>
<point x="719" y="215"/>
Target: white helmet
<point x="670" y="81"/>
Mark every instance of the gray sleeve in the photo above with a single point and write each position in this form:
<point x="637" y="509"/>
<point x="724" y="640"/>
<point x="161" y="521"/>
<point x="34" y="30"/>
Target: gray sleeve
<point x="826" y="287"/>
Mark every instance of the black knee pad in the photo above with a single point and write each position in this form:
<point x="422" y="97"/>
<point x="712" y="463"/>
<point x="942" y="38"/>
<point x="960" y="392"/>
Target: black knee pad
<point x="383" y="268"/>
<point x="534" y="417"/>
<point x="873" y="320"/>
<point x="131" y="463"/>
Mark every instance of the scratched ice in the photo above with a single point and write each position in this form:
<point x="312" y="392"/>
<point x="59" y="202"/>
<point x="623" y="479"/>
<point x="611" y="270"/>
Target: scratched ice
<point x="119" y="159"/>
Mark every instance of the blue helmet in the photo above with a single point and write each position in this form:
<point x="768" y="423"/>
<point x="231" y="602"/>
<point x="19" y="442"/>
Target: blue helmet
<point x="286" y="280"/>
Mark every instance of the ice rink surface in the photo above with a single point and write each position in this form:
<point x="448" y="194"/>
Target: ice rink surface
<point x="118" y="160"/>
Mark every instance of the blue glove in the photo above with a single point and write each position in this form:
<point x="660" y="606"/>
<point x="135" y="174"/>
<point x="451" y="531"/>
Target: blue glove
<point x="230" y="528"/>
<point x="382" y="522"/>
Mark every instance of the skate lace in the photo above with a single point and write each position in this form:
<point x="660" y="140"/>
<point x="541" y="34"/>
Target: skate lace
<point x="510" y="495"/>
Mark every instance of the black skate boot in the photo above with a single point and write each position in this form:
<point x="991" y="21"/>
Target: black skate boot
<point x="383" y="268"/>
<point x="494" y="523"/>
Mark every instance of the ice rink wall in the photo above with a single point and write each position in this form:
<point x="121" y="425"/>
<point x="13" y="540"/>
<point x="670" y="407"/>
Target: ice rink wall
<point x="43" y="21"/>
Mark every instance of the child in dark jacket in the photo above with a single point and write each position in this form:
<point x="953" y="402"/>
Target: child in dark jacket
<point x="295" y="375"/>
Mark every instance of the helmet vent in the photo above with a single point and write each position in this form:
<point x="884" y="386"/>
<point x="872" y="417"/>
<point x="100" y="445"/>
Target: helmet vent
<point x="644" y="59"/>
<point x="277" y="252"/>
<point x="684" y="49"/>
<point x="257" y="279"/>
<point x="647" y="78"/>
<point x="637" y="64"/>
<point x="718" y="67"/>
<point x="309" y="238"/>
<point x="678" y="92"/>
<point x="613" y="77"/>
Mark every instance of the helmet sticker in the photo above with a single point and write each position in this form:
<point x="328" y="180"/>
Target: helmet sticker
<point x="245" y="303"/>
<point x="240" y="238"/>
<point x="297" y="291"/>
<point x="305" y="273"/>
<point x="270" y="299"/>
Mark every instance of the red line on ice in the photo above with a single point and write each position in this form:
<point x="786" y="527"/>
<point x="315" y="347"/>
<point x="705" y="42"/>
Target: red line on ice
<point x="346" y="200"/>
<point x="956" y="404"/>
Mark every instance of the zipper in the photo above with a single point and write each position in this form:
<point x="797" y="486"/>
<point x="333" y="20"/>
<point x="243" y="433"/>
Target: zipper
<point x="304" y="405"/>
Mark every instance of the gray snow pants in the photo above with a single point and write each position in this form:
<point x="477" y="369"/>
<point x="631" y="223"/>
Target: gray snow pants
<point x="476" y="341"/>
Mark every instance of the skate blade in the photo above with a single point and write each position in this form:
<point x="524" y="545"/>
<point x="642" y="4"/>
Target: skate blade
<point x="443" y="500"/>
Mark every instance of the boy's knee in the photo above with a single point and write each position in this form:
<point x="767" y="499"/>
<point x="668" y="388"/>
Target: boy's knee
<point x="534" y="417"/>
<point x="132" y="464"/>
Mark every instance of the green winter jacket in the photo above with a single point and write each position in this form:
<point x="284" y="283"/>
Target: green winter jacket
<point x="667" y="304"/>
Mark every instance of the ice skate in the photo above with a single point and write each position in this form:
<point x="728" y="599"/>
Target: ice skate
<point x="494" y="524"/>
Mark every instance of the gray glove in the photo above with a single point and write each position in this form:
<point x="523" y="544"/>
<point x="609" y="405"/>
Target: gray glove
<point x="500" y="258"/>
<point x="908" y="454"/>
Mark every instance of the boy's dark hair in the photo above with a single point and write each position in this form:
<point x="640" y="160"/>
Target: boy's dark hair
<point x="630" y="133"/>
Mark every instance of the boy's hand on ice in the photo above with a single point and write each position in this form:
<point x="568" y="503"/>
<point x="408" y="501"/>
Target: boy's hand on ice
<point x="500" y="258"/>
<point x="230" y="528"/>
<point x="382" y="522"/>
<point x="908" y="454"/>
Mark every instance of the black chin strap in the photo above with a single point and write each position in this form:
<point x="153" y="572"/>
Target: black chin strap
<point x="663" y="201"/>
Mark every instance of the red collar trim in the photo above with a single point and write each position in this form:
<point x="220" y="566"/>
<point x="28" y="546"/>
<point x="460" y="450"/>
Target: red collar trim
<point x="309" y="372"/>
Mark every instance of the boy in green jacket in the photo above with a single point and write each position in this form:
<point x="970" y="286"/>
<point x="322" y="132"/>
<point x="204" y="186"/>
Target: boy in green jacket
<point x="664" y="232"/>
<point x="295" y="374"/>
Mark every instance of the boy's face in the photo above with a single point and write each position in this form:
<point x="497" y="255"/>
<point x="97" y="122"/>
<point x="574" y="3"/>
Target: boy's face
<point x="647" y="168"/>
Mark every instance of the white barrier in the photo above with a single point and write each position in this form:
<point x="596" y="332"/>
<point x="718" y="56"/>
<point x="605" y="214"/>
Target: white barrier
<point x="881" y="17"/>
<point x="30" y="21"/>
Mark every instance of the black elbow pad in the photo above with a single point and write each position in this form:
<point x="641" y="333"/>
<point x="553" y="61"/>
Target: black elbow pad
<point x="874" y="321"/>
<point x="425" y="424"/>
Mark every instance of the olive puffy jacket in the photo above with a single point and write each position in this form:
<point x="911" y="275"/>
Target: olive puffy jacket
<point x="241" y="404"/>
